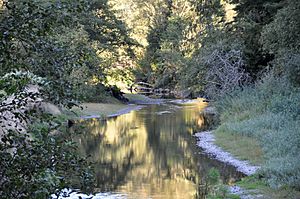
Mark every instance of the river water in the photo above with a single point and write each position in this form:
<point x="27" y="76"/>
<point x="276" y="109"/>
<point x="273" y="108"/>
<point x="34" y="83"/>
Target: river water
<point x="151" y="153"/>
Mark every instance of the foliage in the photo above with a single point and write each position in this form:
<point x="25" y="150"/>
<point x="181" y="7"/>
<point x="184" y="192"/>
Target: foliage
<point x="35" y="162"/>
<point x="225" y="72"/>
<point x="285" y="45"/>
<point x="181" y="34"/>
<point x="154" y="37"/>
<point x="255" y="182"/>
<point x="49" y="44"/>
<point x="292" y="67"/>
<point x="287" y="21"/>
<point x="251" y="17"/>
<point x="74" y="50"/>
<point x="14" y="82"/>
<point x="61" y="41"/>
<point x="36" y="167"/>
<point x="174" y="35"/>
<point x="217" y="68"/>
<point x="268" y="112"/>
<point x="213" y="187"/>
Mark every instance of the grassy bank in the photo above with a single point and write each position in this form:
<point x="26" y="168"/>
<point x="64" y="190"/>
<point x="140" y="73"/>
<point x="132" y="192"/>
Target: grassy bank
<point x="98" y="109"/>
<point x="257" y="186"/>
<point x="110" y="107"/>
<point x="261" y="124"/>
<point x="242" y="147"/>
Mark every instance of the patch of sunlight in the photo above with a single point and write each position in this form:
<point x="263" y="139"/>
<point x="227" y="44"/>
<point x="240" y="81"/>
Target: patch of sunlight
<point x="230" y="13"/>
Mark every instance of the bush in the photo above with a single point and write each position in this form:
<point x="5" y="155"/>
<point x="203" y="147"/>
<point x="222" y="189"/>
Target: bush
<point x="268" y="112"/>
<point x="35" y="162"/>
<point x="284" y="44"/>
<point x="292" y="67"/>
<point x="38" y="164"/>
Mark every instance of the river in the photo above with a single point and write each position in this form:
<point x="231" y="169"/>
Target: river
<point x="151" y="153"/>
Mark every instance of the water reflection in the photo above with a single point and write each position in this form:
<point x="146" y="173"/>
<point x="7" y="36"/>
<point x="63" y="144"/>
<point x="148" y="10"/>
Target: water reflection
<point x="150" y="153"/>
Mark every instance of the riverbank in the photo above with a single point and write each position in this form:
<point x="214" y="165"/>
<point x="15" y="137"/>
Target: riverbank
<point x="103" y="110"/>
<point x="106" y="110"/>
<point x="261" y="125"/>
<point x="250" y="187"/>
<point x="246" y="154"/>
<point x="206" y="141"/>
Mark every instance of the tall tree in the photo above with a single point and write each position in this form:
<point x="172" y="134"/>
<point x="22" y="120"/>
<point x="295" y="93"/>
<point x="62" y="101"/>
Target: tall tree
<point x="61" y="41"/>
<point x="251" y="17"/>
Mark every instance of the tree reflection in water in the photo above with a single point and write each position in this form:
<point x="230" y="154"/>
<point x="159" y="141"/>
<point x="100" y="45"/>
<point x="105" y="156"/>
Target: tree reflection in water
<point x="151" y="152"/>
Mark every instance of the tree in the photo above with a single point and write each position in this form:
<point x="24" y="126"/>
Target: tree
<point x="61" y="39"/>
<point x="34" y="162"/>
<point x="251" y="17"/>
<point x="55" y="45"/>
<point x="281" y="38"/>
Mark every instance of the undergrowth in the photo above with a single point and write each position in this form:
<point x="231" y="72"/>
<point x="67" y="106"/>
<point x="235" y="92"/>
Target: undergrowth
<point x="257" y="185"/>
<point x="270" y="113"/>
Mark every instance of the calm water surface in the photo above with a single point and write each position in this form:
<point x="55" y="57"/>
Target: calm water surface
<point x="151" y="153"/>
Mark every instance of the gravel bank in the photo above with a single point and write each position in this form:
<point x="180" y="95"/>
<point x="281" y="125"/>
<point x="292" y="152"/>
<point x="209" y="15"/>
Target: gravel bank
<point x="73" y="194"/>
<point x="206" y="142"/>
<point x="246" y="194"/>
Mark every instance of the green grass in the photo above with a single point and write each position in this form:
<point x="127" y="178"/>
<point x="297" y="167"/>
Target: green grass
<point x="261" y="187"/>
<point x="243" y="147"/>
<point x="261" y="123"/>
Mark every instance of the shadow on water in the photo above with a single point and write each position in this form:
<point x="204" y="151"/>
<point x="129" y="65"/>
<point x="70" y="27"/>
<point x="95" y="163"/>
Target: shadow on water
<point x="151" y="153"/>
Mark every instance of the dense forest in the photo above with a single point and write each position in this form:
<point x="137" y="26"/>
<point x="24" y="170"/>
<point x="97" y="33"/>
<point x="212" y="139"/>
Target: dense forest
<point x="243" y="55"/>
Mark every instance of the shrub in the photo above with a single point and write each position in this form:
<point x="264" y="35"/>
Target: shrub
<point x="34" y="162"/>
<point x="40" y="165"/>
<point x="292" y="66"/>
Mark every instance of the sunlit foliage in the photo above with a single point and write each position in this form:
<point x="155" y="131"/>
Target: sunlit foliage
<point x="56" y="46"/>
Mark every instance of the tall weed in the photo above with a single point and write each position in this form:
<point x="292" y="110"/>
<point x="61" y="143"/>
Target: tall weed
<point x="270" y="113"/>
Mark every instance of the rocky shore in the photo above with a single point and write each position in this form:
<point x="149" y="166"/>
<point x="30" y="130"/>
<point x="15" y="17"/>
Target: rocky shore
<point x="206" y="142"/>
